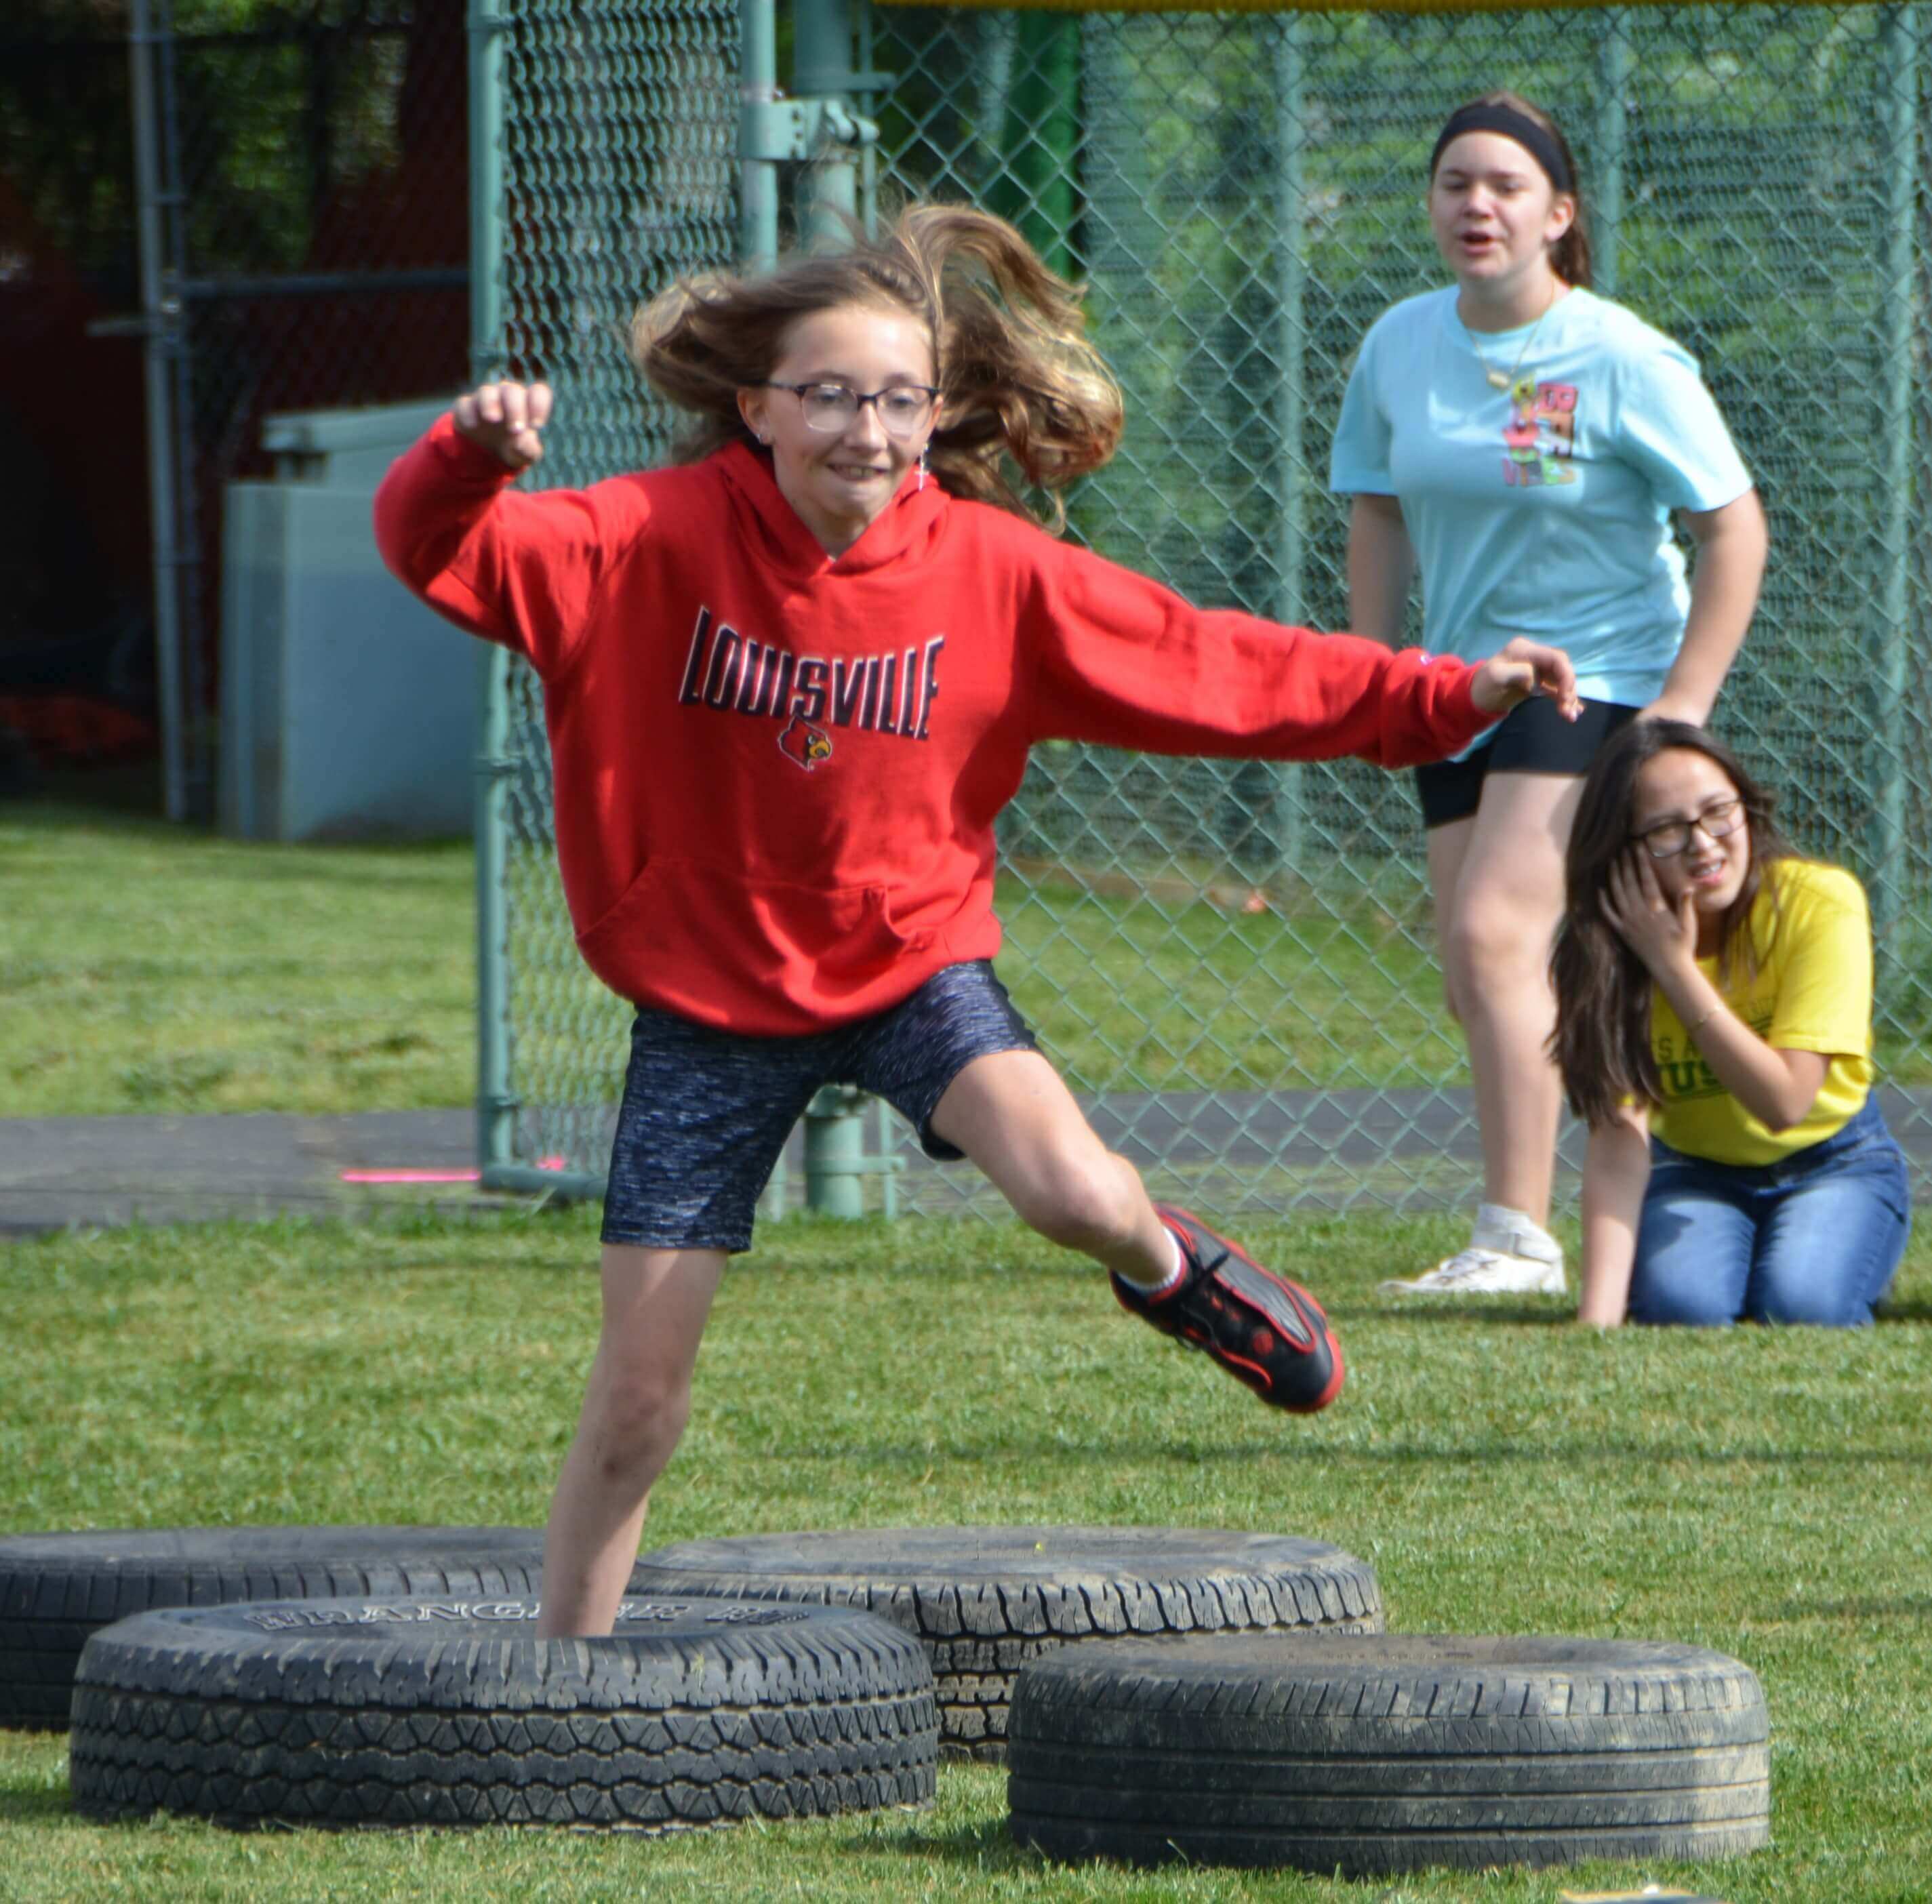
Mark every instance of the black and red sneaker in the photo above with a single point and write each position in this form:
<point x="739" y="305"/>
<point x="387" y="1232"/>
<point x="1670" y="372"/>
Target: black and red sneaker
<point x="1263" y="1328"/>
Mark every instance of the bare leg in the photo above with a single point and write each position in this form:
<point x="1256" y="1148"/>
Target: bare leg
<point x="1448" y="848"/>
<point x="1012" y="1114"/>
<point x="1498" y="916"/>
<point x="655" y="1303"/>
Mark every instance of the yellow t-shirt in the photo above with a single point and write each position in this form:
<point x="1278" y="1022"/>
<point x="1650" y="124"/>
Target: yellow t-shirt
<point x="1812" y="992"/>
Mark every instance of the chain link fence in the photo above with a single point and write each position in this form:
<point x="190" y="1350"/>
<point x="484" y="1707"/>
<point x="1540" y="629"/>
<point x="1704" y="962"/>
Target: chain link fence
<point x="310" y="188"/>
<point x="1233" y="963"/>
<point x="613" y="130"/>
<point x="321" y="154"/>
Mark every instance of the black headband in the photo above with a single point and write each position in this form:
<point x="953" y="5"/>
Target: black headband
<point x="1534" y="140"/>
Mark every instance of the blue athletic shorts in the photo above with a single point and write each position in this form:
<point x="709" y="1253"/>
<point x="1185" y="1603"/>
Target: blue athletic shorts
<point x="706" y="1113"/>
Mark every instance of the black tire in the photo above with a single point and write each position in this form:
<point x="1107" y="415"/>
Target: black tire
<point x="1364" y="1756"/>
<point x="413" y="1712"/>
<point x="987" y="1599"/>
<point x="57" y="1589"/>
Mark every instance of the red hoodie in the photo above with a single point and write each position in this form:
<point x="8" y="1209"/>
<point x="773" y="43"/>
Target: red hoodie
<point x="777" y="772"/>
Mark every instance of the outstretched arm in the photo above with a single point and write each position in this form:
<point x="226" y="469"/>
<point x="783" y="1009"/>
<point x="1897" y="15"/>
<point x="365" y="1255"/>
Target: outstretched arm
<point x="1118" y="659"/>
<point x="1382" y="564"/>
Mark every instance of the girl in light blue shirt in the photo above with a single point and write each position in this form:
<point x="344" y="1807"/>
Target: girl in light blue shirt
<point x="1524" y="443"/>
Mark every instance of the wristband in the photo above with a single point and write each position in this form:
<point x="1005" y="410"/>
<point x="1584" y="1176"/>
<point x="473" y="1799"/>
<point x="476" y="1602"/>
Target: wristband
<point x="1691" y="1030"/>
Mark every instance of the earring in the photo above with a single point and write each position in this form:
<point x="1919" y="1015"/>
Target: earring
<point x="922" y="468"/>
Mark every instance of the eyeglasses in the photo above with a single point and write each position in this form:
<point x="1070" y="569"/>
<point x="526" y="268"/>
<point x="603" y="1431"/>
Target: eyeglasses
<point x="1668" y="838"/>
<point x="904" y="408"/>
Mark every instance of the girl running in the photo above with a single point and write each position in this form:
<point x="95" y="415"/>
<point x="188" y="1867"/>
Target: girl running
<point x="790" y="682"/>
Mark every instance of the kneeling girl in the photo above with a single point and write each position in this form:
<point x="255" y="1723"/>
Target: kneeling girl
<point x="1713" y="998"/>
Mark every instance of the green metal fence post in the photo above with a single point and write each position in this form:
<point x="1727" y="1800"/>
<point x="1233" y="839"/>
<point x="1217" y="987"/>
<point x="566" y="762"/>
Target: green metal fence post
<point x="998" y="33"/>
<point x="835" y="1152"/>
<point x="1614" y="55"/>
<point x="1123" y="248"/>
<point x="160" y="308"/>
<point x="822" y="73"/>
<point x="496" y="1104"/>
<point x="869" y="146"/>
<point x="823" y="82"/>
<point x="758" y="250"/>
<point x="1899" y="78"/>
<point x="1043" y="132"/>
<point x="1290" y="291"/>
<point x="758" y="174"/>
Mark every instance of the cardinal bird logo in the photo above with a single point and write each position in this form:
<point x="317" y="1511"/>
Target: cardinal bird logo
<point x="804" y="744"/>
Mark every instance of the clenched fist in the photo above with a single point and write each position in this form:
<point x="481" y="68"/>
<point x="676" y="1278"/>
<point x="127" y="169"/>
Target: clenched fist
<point x="507" y="419"/>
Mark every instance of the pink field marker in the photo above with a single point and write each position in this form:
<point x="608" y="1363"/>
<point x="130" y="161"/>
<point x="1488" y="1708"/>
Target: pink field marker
<point x="431" y="1176"/>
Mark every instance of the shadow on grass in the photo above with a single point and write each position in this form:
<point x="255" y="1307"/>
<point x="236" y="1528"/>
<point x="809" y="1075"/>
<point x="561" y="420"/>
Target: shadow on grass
<point x="1481" y="1311"/>
<point x="1914" y="1308"/>
<point x="1495" y="1450"/>
<point x="1915" y="1607"/>
<point x="984" y="1845"/>
<point x="34" y="1807"/>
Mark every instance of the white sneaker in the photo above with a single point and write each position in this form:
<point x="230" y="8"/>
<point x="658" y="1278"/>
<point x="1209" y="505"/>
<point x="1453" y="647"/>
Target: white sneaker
<point x="1476" y="1271"/>
<point x="1510" y="1254"/>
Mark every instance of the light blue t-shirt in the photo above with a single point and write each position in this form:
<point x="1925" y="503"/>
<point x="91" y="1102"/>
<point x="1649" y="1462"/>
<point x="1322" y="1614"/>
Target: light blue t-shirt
<point x="1542" y="510"/>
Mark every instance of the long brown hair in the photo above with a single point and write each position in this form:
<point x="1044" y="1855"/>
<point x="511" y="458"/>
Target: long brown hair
<point x="1023" y="392"/>
<point x="1570" y="256"/>
<point x="1601" y="1043"/>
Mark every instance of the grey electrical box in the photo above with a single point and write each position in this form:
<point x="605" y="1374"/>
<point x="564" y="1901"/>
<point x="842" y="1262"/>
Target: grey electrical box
<point x="348" y="709"/>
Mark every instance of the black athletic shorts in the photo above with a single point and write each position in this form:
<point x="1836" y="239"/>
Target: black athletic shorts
<point x="1532" y="738"/>
<point x="706" y="1113"/>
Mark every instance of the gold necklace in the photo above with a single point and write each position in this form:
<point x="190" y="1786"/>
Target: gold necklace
<point x="1496" y="378"/>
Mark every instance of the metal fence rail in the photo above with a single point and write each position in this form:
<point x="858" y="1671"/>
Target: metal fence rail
<point x="1233" y="963"/>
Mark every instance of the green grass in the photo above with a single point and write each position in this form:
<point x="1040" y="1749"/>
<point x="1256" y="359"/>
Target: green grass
<point x="144" y="967"/>
<point x="1760" y="1492"/>
<point x="1330" y="986"/>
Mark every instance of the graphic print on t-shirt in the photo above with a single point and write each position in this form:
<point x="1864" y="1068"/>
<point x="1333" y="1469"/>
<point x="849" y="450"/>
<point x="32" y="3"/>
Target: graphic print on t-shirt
<point x="1540" y="436"/>
<point x="891" y="693"/>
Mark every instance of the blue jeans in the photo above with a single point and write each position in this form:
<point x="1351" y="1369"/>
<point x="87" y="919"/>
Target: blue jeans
<point x="1814" y="1238"/>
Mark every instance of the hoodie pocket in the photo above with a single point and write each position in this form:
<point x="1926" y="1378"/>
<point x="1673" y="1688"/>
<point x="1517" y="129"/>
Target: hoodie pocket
<point x="684" y="931"/>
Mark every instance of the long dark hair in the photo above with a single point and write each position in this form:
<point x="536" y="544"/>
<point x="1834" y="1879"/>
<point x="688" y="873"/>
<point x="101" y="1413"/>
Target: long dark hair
<point x="1570" y="256"/>
<point x="1023" y="392"/>
<point x="1601" y="1043"/>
